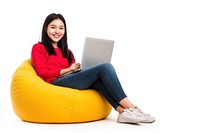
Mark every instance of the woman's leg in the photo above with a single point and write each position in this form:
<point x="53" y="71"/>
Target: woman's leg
<point x="98" y="85"/>
<point x="102" y="75"/>
<point x="124" y="103"/>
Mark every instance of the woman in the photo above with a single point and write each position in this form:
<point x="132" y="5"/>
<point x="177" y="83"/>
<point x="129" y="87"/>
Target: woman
<point x="53" y="62"/>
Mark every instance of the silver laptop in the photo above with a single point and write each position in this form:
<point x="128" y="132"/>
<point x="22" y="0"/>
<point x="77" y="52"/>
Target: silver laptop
<point x="96" y="51"/>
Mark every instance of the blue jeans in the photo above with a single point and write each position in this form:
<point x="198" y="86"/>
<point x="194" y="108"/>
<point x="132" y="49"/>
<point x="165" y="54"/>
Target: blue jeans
<point x="101" y="77"/>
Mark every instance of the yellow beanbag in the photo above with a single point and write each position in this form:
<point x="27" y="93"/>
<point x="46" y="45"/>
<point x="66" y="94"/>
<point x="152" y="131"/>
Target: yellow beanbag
<point x="35" y="100"/>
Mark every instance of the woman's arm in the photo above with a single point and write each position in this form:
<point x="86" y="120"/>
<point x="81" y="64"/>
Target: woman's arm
<point x="39" y="58"/>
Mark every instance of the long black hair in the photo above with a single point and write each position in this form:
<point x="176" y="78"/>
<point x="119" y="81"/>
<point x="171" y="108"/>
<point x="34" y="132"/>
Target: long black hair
<point x="62" y="44"/>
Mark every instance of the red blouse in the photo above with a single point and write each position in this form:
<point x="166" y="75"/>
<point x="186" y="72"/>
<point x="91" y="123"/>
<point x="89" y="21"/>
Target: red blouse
<point x="48" y="67"/>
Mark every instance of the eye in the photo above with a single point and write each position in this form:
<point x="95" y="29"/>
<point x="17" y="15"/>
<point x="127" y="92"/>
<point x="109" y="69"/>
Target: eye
<point x="53" y="27"/>
<point x="61" y="28"/>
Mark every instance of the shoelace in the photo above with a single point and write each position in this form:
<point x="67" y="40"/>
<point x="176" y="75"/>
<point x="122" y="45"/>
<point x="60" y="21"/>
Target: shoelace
<point x="136" y="107"/>
<point x="139" y="110"/>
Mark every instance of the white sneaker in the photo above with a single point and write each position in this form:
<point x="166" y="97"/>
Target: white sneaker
<point x="134" y="115"/>
<point x="149" y="119"/>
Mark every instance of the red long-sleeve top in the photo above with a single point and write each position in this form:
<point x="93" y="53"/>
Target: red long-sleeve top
<point x="48" y="67"/>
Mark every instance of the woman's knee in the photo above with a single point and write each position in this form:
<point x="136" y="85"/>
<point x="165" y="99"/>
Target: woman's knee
<point x="107" y="65"/>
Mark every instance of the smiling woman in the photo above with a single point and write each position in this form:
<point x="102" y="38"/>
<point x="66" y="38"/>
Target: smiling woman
<point x="52" y="60"/>
<point x="56" y="31"/>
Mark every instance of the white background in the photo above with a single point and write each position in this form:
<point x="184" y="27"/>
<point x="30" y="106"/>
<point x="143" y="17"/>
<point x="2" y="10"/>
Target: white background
<point x="156" y="56"/>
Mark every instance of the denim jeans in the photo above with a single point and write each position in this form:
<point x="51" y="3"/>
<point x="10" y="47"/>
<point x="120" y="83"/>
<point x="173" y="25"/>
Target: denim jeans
<point x="101" y="77"/>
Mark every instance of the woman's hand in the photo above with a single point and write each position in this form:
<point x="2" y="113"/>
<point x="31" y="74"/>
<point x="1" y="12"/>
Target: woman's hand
<point x="73" y="67"/>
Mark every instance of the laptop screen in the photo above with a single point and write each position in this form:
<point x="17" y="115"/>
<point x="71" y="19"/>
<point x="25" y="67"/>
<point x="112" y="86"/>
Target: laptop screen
<point x="96" y="51"/>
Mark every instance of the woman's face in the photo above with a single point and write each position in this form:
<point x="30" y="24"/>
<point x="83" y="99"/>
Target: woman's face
<point x="55" y="31"/>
